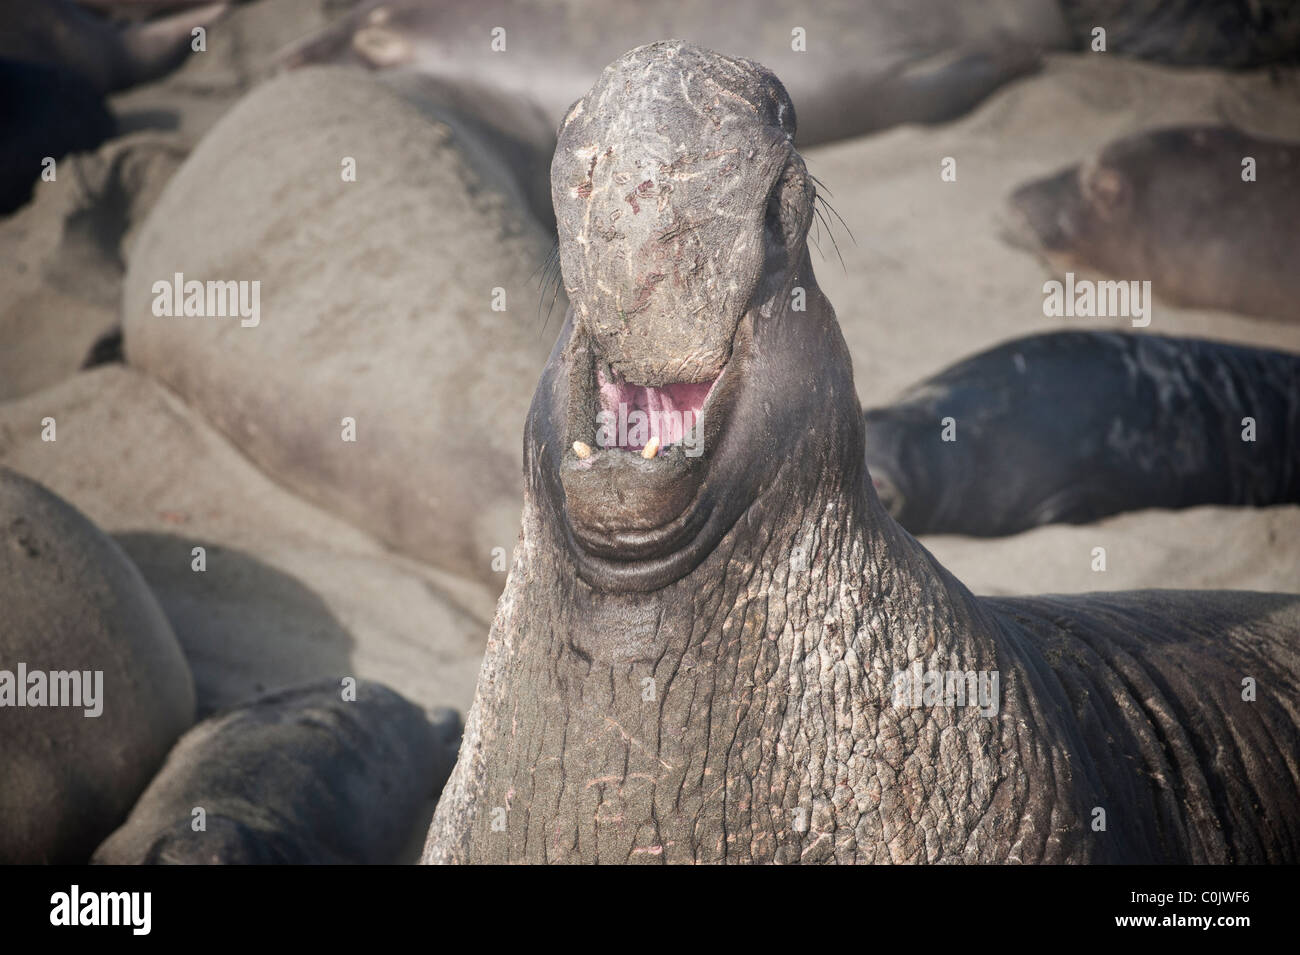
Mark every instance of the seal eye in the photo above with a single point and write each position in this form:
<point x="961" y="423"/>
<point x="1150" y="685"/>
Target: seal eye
<point x="782" y="218"/>
<point x="772" y="217"/>
<point x="785" y="222"/>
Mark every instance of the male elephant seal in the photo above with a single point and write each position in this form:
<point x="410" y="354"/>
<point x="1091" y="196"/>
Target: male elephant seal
<point x="1182" y="208"/>
<point x="720" y="657"/>
<point x="93" y="686"/>
<point x="297" y="776"/>
<point x="1068" y="427"/>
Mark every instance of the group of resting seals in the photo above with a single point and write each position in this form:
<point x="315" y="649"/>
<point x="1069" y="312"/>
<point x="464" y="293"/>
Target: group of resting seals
<point x="852" y="68"/>
<point x="514" y="68"/>
<point x="676" y="569"/>
<point x="699" y="658"/>
<point x="95" y="690"/>
<point x="1071" y="427"/>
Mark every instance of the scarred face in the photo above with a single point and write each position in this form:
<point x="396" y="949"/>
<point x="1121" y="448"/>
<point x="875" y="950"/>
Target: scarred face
<point x="695" y="328"/>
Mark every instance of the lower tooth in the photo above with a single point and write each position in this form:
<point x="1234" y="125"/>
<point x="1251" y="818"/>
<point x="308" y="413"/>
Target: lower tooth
<point x="651" y="449"/>
<point x="583" y="451"/>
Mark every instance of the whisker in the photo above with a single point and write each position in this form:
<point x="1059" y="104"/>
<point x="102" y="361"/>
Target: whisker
<point x="838" y="255"/>
<point x="554" y="279"/>
<point x="545" y="267"/>
<point x="827" y="204"/>
<point x="831" y="234"/>
<point x="555" y="295"/>
<point x="821" y="186"/>
<point x="549" y="276"/>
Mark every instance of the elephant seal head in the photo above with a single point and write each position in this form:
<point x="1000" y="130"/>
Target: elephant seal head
<point x="698" y="346"/>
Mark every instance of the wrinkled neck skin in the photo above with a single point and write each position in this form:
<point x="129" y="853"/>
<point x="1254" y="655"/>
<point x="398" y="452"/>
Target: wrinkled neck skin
<point x="743" y="712"/>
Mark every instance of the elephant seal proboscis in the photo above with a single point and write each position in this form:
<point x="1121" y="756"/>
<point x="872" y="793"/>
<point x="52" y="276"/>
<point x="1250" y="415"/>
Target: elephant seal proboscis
<point x="1068" y="427"/>
<point x="721" y="658"/>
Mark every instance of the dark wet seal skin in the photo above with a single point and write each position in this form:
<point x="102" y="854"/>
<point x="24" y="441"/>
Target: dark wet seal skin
<point x="106" y="350"/>
<point x="298" y="776"/>
<point x="48" y="111"/>
<point x="693" y="659"/>
<point x="110" y="56"/>
<point x="1170" y="206"/>
<point x="1228" y="35"/>
<point x="57" y="62"/>
<point x="1068" y="427"/>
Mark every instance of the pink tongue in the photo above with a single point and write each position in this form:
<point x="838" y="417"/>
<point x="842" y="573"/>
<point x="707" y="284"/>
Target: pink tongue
<point x="668" y="410"/>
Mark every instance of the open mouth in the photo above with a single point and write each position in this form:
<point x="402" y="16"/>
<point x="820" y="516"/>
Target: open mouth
<point x="647" y="419"/>
<point x="634" y="461"/>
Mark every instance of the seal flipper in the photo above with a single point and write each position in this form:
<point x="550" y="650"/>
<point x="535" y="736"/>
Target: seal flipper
<point x="1077" y="504"/>
<point x="156" y="47"/>
<point x="930" y="89"/>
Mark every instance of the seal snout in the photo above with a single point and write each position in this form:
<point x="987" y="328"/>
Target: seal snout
<point x="636" y="454"/>
<point x="1044" y="215"/>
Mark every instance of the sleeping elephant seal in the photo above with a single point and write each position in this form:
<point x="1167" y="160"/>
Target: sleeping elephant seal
<point x="1172" y="206"/>
<point x="1192" y="32"/>
<point x="1068" y="427"/>
<point x="852" y="67"/>
<point x="93" y="685"/>
<point x="297" y="776"/>
<point x="722" y="657"/>
<point x="435" y="271"/>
